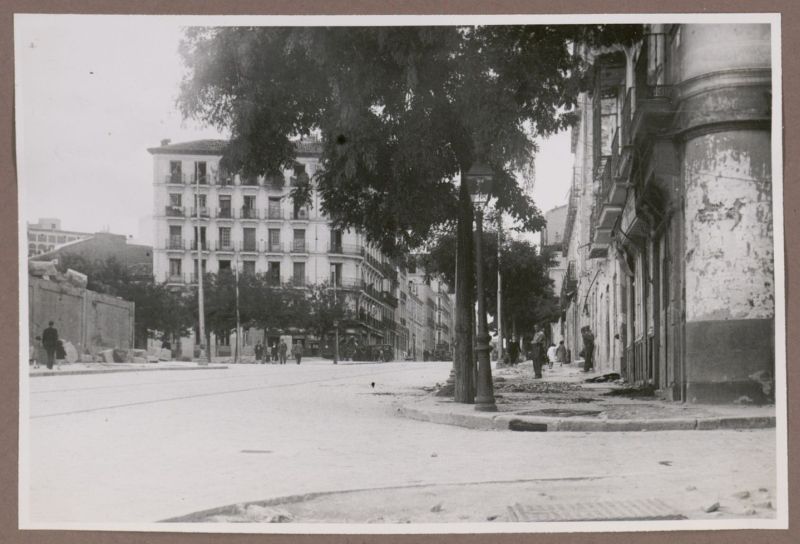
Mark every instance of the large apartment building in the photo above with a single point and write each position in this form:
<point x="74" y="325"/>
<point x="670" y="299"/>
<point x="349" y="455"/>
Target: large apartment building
<point x="254" y="225"/>
<point x="668" y="236"/>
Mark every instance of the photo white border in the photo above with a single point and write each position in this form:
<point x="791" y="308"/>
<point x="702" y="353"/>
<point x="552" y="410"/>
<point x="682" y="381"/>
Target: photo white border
<point x="781" y="520"/>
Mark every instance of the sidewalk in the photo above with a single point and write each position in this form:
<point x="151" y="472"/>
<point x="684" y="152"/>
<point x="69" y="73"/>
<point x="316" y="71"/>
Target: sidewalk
<point x="72" y="369"/>
<point x="563" y="401"/>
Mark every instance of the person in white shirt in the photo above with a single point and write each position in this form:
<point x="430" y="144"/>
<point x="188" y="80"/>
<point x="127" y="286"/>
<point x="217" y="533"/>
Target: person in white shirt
<point x="552" y="357"/>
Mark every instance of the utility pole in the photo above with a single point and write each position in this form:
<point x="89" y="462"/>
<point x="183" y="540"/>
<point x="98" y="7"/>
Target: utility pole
<point x="236" y="302"/>
<point x="200" y="302"/>
<point x="499" y="289"/>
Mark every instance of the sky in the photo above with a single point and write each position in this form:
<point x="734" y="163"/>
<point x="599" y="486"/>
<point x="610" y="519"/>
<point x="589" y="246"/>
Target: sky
<point x="94" y="92"/>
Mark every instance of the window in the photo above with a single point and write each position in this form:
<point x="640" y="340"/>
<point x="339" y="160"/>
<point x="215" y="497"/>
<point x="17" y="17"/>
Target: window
<point x="175" y="174"/>
<point x="299" y="273"/>
<point x="299" y="240"/>
<point x="62" y="239"/>
<point x="274" y="239"/>
<point x="336" y="241"/>
<point x="31" y="237"/>
<point x="225" y="206"/>
<point x="274" y="272"/>
<point x="201" y="238"/>
<point x="300" y="212"/>
<point x="175" y="200"/>
<point x="249" y="239"/>
<point x="42" y="237"/>
<point x="205" y="261"/>
<point x="225" y="238"/>
<point x="174" y="268"/>
<point x="200" y="201"/>
<point x="249" y="207"/>
<point x="249" y="267"/>
<point x="274" y="210"/>
<point x="51" y="238"/>
<point x="200" y="172"/>
<point x="225" y="265"/>
<point x="336" y="274"/>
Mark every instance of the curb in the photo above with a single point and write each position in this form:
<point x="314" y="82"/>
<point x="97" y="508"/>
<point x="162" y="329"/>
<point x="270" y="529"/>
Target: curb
<point x="546" y="424"/>
<point x="117" y="370"/>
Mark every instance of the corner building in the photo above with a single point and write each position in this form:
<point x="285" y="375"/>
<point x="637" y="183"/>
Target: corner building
<point x="253" y="224"/>
<point x="668" y="241"/>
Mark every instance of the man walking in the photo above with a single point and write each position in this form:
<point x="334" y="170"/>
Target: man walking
<point x="588" y="348"/>
<point x="259" y="351"/>
<point x="50" y="343"/>
<point x="282" y="349"/>
<point x="538" y="352"/>
<point x="297" y="351"/>
<point x="561" y="353"/>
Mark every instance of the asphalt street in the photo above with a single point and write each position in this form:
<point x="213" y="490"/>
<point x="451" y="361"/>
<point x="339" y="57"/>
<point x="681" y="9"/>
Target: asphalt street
<point x="143" y="447"/>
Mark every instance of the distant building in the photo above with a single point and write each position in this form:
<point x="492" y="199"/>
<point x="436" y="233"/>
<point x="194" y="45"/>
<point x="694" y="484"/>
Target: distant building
<point x="46" y="234"/>
<point x="101" y="246"/>
<point x="552" y="241"/>
<point x="254" y="225"/>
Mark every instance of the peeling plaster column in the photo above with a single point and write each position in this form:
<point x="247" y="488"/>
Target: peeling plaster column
<point x="724" y="118"/>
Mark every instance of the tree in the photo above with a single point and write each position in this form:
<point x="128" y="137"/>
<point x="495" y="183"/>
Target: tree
<point x="157" y="308"/>
<point x="326" y="307"/>
<point x="528" y="297"/>
<point x="401" y="110"/>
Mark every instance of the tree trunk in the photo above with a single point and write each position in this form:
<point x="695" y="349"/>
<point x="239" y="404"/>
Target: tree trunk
<point x="463" y="356"/>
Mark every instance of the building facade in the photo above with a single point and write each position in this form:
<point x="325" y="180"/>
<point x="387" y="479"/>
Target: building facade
<point x="46" y="234"/>
<point x="668" y="239"/>
<point x="254" y="225"/>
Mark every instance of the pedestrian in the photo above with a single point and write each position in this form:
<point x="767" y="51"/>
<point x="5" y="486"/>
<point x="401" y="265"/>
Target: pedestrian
<point x="274" y="352"/>
<point x="33" y="355"/>
<point x="561" y="353"/>
<point x="259" y="351"/>
<point x="538" y="352"/>
<point x="513" y="350"/>
<point x="588" y="348"/>
<point x="297" y="351"/>
<point x="282" y="349"/>
<point x="551" y="356"/>
<point x="50" y="343"/>
<point x="61" y="354"/>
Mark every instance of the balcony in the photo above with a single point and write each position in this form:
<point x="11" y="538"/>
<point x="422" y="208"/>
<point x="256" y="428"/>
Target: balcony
<point x="224" y="246"/>
<point x="204" y="245"/>
<point x="300" y="214"/>
<point x="274" y="182"/>
<point x="201" y="179"/>
<point x="224" y="181"/>
<point x="350" y="283"/>
<point x="224" y="213"/>
<point x="390" y="299"/>
<point x="205" y="212"/>
<point x="175" y="243"/>
<point x="174" y="211"/>
<point x="344" y="249"/>
<point x="299" y="246"/>
<point x="274" y="247"/>
<point x="248" y="246"/>
<point x="651" y="102"/>
<point x="177" y="279"/>
<point x="248" y="181"/>
<point x="273" y="214"/>
<point x="299" y="281"/>
<point x="248" y="214"/>
<point x="175" y="178"/>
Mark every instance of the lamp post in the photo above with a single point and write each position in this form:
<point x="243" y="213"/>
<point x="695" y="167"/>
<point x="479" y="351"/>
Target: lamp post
<point x="479" y="180"/>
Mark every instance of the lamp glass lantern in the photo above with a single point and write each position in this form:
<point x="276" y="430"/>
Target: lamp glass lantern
<point x="480" y="181"/>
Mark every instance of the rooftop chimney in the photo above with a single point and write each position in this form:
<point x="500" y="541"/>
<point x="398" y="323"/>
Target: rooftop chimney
<point x="165" y="142"/>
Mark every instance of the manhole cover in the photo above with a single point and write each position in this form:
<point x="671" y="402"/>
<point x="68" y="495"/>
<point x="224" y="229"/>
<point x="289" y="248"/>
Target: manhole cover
<point x="560" y="412"/>
<point x="632" y="510"/>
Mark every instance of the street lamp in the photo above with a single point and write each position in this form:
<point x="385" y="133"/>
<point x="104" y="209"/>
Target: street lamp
<point x="479" y="180"/>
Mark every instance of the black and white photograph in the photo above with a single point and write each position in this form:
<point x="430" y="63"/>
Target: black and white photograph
<point x="400" y="274"/>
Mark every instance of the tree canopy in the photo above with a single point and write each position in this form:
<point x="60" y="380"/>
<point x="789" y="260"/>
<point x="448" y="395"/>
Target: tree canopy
<point x="401" y="111"/>
<point x="528" y="296"/>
